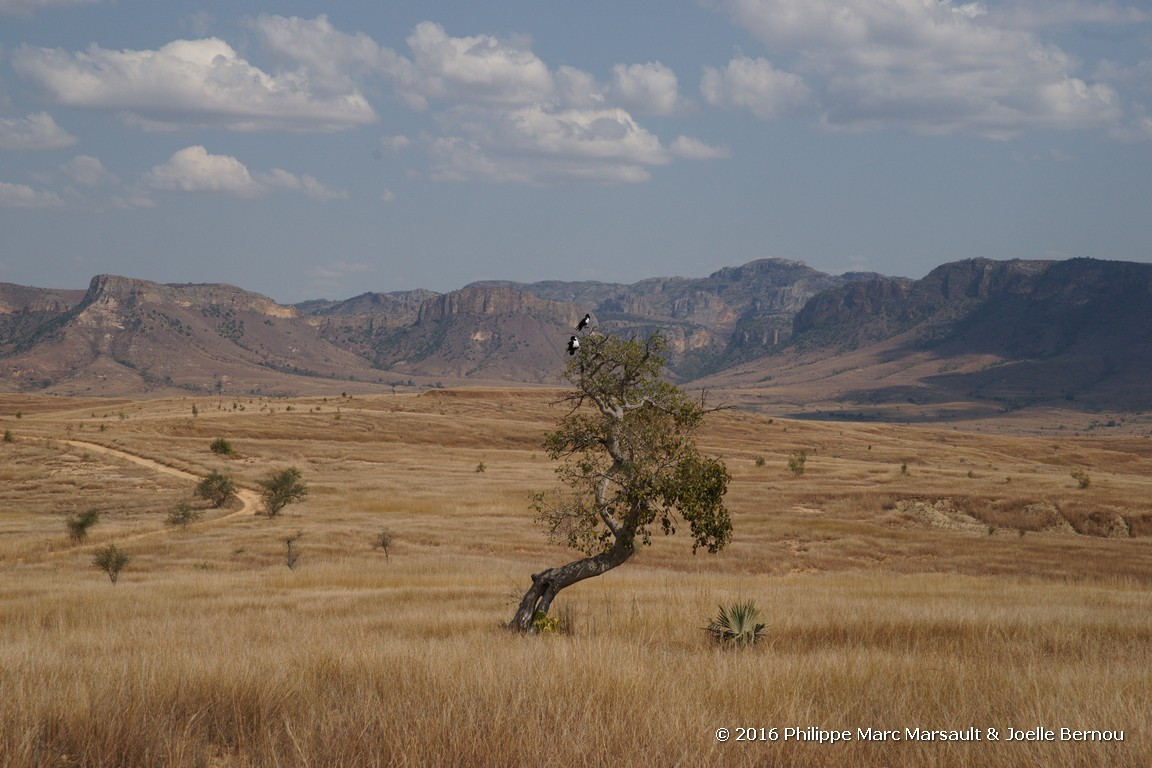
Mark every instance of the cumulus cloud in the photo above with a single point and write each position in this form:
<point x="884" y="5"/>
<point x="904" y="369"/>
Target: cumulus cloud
<point x="190" y="82"/>
<point x="651" y="88"/>
<point x="929" y="67"/>
<point x="755" y="85"/>
<point x="478" y="68"/>
<point x="335" y="60"/>
<point x="36" y="131"/>
<point x="694" y="149"/>
<point x="192" y="169"/>
<point x="87" y="171"/>
<point x="24" y="196"/>
<point x="534" y="144"/>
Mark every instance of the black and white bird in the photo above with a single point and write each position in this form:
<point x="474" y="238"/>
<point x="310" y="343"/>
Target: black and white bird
<point x="584" y="323"/>
<point x="573" y="345"/>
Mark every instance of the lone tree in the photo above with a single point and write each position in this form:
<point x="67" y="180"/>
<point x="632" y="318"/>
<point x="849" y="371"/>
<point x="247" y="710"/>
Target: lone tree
<point x="280" y="489"/>
<point x="629" y="465"/>
<point x="216" y="488"/>
<point x="110" y="560"/>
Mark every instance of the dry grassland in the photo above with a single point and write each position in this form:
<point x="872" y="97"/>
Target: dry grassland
<point x="912" y="578"/>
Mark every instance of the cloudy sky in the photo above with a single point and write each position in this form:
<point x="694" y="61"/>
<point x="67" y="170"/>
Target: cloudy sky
<point x="305" y="149"/>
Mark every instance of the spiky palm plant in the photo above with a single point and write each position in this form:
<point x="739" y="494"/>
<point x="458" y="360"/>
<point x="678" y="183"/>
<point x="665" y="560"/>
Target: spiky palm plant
<point x="736" y="625"/>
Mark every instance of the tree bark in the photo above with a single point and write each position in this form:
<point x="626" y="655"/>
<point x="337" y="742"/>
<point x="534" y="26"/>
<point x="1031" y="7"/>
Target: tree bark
<point x="546" y="584"/>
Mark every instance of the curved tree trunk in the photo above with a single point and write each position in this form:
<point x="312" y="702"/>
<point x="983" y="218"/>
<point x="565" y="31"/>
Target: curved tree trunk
<point x="546" y="584"/>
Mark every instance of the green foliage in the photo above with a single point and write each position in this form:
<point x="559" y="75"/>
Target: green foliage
<point x="216" y="488"/>
<point x="110" y="560"/>
<point x="760" y="461"/>
<point x="1081" y="477"/>
<point x="480" y="467"/>
<point x="221" y="447"/>
<point x="630" y="463"/>
<point x="280" y="489"/>
<point x="78" y="525"/>
<point x="737" y="625"/>
<point x="543" y="624"/>
<point x="183" y="515"/>
<point x="8" y="438"/>
<point x="796" y="462"/>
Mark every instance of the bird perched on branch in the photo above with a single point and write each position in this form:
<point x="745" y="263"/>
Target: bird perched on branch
<point x="584" y="323"/>
<point x="573" y="345"/>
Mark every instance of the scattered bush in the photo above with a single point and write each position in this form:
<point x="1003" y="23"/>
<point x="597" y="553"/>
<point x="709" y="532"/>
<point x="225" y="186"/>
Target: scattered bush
<point x="8" y="438"/>
<point x="736" y="626"/>
<point x="543" y="624"/>
<point x="293" y="554"/>
<point x="216" y="488"/>
<point x="281" y="489"/>
<point x="110" y="560"/>
<point x="183" y="515"/>
<point x="78" y="525"/>
<point x="383" y="541"/>
<point x="760" y="461"/>
<point x="221" y="447"/>
<point x="796" y="462"/>
<point x="1081" y="478"/>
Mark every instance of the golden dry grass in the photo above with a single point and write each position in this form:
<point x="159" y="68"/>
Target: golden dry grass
<point x="897" y="597"/>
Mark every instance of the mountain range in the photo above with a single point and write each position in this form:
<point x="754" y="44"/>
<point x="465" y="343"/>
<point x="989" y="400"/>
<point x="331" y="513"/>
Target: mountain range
<point x="975" y="334"/>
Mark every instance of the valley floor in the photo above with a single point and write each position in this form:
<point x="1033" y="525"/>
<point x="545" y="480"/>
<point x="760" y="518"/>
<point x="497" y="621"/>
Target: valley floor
<point x="935" y="584"/>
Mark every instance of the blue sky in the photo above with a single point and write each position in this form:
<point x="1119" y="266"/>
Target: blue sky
<point x="306" y="150"/>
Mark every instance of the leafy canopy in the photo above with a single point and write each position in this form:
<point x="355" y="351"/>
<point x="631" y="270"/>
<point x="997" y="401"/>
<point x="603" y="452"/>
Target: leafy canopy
<point x="630" y="463"/>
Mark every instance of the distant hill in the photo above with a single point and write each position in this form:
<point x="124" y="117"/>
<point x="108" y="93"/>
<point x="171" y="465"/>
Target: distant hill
<point x="1074" y="333"/>
<point x="991" y="334"/>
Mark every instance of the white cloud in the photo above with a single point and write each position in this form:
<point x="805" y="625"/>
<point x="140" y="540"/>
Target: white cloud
<point x="651" y="88"/>
<point x="29" y="7"/>
<point x="755" y="85"/>
<point x="929" y="66"/>
<point x="36" y="131"/>
<point x="24" y="196"/>
<point x="480" y="68"/>
<point x="535" y="145"/>
<point x="278" y="178"/>
<point x="190" y="82"/>
<point x="334" y="60"/>
<point x="694" y="149"/>
<point x="192" y="169"/>
<point x="87" y="171"/>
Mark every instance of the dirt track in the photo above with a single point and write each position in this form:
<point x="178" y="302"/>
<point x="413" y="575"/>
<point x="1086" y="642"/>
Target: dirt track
<point x="249" y="500"/>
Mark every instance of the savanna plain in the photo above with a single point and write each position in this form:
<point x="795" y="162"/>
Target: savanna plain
<point x="912" y="577"/>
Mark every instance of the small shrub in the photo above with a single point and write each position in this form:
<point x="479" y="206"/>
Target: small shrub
<point x="110" y="560"/>
<point x="221" y="447"/>
<point x="760" y="461"/>
<point x="1081" y="478"/>
<point x="736" y="625"/>
<point x="543" y="624"/>
<point x="383" y="541"/>
<point x="480" y="467"/>
<point x="8" y="438"/>
<point x="78" y="525"/>
<point x="293" y="555"/>
<point x="796" y="462"/>
<point x="183" y="515"/>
